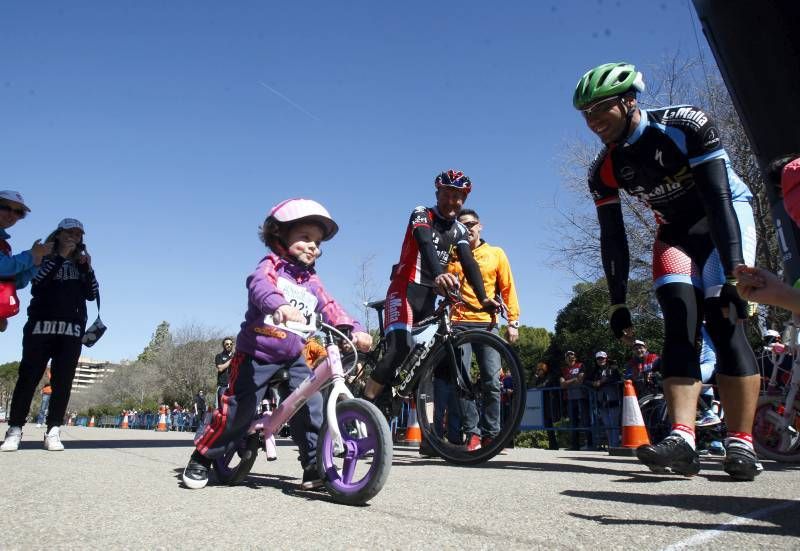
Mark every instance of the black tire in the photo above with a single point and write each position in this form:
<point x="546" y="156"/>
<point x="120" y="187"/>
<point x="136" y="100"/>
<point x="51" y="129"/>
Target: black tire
<point x="358" y="476"/>
<point x="655" y="416"/>
<point x="233" y="467"/>
<point x="510" y="412"/>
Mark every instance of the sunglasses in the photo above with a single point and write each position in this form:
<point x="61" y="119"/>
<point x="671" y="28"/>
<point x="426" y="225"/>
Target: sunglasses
<point x="603" y="106"/>
<point x="472" y="224"/>
<point x="19" y="212"/>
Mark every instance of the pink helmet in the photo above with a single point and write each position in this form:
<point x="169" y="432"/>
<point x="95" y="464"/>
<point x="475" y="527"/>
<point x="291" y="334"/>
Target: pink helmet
<point x="295" y="210"/>
<point x="790" y="182"/>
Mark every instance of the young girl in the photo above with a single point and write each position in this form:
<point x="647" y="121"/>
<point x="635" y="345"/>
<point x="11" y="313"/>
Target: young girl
<point x="56" y="322"/>
<point x="285" y="286"/>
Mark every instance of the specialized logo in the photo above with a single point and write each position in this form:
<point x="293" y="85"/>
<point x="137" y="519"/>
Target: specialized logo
<point x="627" y="173"/>
<point x="711" y="137"/>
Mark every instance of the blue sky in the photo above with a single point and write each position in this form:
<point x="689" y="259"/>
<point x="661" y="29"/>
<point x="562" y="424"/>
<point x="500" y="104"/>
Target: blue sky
<point x="170" y="128"/>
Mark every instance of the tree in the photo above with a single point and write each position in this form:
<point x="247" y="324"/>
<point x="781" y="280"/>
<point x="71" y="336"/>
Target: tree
<point x="160" y="339"/>
<point x="8" y="378"/>
<point x="582" y="325"/>
<point x="531" y="347"/>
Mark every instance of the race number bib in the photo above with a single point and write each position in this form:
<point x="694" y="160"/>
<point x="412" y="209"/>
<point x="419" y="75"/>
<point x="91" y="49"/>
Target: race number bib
<point x="299" y="297"/>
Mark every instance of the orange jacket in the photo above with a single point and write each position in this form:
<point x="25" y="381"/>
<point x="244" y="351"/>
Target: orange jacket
<point x="497" y="279"/>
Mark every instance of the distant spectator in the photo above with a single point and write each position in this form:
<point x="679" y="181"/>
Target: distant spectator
<point x="572" y="376"/>
<point x="56" y="323"/>
<point x="21" y="267"/>
<point x="545" y="378"/>
<point x="47" y="390"/>
<point x="607" y="382"/>
<point x="200" y="408"/>
<point x="223" y="362"/>
<point x="642" y="369"/>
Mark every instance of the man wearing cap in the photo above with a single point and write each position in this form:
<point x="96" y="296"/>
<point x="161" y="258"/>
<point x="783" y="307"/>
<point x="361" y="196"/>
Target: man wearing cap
<point x="642" y="369"/>
<point x="56" y="323"/>
<point x="17" y="270"/>
<point x="607" y="382"/>
<point x="572" y="378"/>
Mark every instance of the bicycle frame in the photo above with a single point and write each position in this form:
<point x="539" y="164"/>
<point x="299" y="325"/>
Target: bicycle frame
<point x="330" y="371"/>
<point x="792" y="388"/>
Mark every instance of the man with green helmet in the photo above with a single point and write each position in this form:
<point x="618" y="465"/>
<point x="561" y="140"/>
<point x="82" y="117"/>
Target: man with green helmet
<point x="672" y="159"/>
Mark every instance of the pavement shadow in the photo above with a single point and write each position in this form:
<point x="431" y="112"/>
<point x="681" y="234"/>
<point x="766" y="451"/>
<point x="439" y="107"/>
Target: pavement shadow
<point x="741" y="507"/>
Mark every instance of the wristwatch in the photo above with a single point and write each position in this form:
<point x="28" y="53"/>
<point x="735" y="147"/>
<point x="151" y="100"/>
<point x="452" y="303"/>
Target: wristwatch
<point x="514" y="324"/>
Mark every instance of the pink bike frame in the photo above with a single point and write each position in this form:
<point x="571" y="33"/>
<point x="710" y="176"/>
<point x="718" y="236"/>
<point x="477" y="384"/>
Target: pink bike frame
<point x="329" y="369"/>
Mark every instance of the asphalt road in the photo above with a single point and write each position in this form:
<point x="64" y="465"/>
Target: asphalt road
<point x="115" y="489"/>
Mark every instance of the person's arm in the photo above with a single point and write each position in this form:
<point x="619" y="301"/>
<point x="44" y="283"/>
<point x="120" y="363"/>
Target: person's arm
<point x="711" y="179"/>
<point x="47" y="270"/>
<point x="333" y="314"/>
<point x="471" y="270"/>
<point x="420" y="224"/>
<point x="759" y="285"/>
<point x="505" y="284"/>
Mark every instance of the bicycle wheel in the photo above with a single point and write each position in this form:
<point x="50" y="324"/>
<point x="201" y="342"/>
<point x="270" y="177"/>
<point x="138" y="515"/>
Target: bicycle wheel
<point x="233" y="467"/>
<point x="454" y="418"/>
<point x="357" y="475"/>
<point x="655" y="416"/>
<point x="771" y="438"/>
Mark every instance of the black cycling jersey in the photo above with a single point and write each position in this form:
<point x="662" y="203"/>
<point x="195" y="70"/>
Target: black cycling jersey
<point x="675" y="163"/>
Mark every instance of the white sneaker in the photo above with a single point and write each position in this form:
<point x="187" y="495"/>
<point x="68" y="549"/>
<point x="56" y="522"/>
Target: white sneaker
<point x="52" y="440"/>
<point x="13" y="436"/>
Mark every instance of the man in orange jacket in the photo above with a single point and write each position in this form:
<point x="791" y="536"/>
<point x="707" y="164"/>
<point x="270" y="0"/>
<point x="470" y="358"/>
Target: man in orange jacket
<point x="498" y="281"/>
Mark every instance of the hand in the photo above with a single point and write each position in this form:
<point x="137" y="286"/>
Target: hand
<point x="759" y="285"/>
<point x="85" y="261"/>
<point x="621" y="323"/>
<point x="729" y="296"/>
<point x="287" y="312"/>
<point x="446" y="282"/>
<point x="489" y="305"/>
<point x="3" y="324"/>
<point x="39" y="250"/>
<point x="513" y="334"/>
<point x="363" y="341"/>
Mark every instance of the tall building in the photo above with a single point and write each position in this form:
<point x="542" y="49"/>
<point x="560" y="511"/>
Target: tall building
<point x="89" y="372"/>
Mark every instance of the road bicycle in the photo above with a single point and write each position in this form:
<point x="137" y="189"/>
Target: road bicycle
<point x="442" y="362"/>
<point x="354" y="450"/>
<point x="776" y="427"/>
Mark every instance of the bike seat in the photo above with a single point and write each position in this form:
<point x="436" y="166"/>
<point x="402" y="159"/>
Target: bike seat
<point x="280" y="376"/>
<point x="377" y="304"/>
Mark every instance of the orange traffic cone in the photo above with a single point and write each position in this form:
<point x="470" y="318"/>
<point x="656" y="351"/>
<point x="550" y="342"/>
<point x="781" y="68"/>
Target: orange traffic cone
<point x="124" y="424"/>
<point x="91" y="421"/>
<point x="413" y="432"/>
<point x="162" y="420"/>
<point x="634" y="433"/>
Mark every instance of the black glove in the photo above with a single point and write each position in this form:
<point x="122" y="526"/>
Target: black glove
<point x="728" y="297"/>
<point x="620" y="319"/>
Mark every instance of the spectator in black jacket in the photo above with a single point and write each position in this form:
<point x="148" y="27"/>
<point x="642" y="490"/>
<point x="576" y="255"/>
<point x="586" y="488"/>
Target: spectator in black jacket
<point x="56" y="323"/>
<point x="547" y="379"/>
<point x="606" y="379"/>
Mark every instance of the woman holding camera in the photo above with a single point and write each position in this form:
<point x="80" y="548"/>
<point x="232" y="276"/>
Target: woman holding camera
<point x="56" y="323"/>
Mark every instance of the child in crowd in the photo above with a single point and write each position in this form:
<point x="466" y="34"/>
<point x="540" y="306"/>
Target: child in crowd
<point x="286" y="287"/>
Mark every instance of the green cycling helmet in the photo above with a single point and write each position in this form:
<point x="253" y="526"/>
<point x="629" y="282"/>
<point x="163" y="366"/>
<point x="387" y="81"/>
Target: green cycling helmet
<point x="605" y="81"/>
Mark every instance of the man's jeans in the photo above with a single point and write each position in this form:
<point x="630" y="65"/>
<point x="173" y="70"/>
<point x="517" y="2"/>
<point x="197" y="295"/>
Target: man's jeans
<point x="611" y="422"/>
<point x="43" y="409"/>
<point x="487" y="422"/>
<point x="444" y="401"/>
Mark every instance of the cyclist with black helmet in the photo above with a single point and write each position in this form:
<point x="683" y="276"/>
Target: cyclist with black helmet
<point x="672" y="159"/>
<point x="432" y="236"/>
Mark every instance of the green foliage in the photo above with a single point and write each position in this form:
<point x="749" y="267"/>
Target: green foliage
<point x="582" y="325"/>
<point x="531" y="347"/>
<point x="158" y="342"/>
